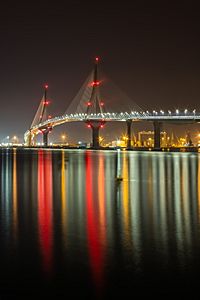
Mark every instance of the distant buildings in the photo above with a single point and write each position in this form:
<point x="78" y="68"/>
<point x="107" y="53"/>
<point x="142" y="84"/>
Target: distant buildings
<point x="146" y="139"/>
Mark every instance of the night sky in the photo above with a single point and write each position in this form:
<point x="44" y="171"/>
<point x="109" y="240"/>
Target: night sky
<point x="151" y="50"/>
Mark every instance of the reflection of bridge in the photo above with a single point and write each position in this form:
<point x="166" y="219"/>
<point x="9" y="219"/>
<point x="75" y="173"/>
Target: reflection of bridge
<point x="90" y="109"/>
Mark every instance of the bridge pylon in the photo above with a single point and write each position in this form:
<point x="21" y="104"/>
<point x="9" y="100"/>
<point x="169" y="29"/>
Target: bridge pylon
<point x="40" y="116"/>
<point x="95" y="106"/>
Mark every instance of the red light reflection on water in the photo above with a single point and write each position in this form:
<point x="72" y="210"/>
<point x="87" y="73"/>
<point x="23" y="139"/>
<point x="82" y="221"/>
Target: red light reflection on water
<point x="45" y="208"/>
<point x="94" y="227"/>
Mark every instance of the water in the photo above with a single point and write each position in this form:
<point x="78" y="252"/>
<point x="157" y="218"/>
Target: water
<point x="98" y="223"/>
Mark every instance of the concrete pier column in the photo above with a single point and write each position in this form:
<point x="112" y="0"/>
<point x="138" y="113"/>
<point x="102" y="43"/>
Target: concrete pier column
<point x="45" y="133"/>
<point x="128" y="124"/>
<point x="95" y="137"/>
<point x="29" y="139"/>
<point x="95" y="126"/>
<point x="45" y="138"/>
<point x="157" y="128"/>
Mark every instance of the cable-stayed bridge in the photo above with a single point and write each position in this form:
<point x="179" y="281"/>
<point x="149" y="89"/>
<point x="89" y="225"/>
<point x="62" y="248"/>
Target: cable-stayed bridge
<point x="97" y="103"/>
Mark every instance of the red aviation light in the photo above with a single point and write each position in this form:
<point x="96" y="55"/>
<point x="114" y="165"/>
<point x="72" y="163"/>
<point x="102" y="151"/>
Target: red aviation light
<point x="95" y="83"/>
<point x="96" y="59"/>
<point x="46" y="102"/>
<point x="46" y="86"/>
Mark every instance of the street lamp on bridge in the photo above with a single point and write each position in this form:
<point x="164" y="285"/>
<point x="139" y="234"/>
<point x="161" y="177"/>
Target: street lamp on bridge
<point x="63" y="137"/>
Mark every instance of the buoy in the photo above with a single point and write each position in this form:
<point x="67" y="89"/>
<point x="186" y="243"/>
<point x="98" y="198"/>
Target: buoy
<point x="119" y="178"/>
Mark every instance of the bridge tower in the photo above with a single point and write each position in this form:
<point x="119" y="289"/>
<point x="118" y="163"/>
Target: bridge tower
<point x="46" y="129"/>
<point x="41" y="116"/>
<point x="95" y="106"/>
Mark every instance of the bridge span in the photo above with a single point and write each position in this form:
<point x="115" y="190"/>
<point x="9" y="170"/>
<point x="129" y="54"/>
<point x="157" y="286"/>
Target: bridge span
<point x="90" y="109"/>
<point x="99" y="120"/>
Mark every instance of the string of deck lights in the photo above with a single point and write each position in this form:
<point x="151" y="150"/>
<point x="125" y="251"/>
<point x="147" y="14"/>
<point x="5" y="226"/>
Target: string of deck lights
<point x="122" y="116"/>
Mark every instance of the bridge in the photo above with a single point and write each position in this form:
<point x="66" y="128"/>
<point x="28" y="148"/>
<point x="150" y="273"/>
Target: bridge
<point x="89" y="108"/>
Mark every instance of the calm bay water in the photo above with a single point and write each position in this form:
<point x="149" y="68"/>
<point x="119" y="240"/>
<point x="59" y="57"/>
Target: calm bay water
<point x="67" y="223"/>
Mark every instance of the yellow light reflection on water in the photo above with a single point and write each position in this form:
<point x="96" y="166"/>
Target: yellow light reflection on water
<point x="15" y="210"/>
<point x="135" y="212"/>
<point x="198" y="182"/>
<point x="125" y="199"/>
<point x="101" y="198"/>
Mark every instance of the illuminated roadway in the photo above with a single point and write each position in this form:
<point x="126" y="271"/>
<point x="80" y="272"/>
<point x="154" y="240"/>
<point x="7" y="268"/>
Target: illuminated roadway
<point x="161" y="116"/>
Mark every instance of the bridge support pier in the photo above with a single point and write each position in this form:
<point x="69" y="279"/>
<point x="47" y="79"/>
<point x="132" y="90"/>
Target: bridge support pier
<point x="45" y="133"/>
<point x="95" y="137"/>
<point x="157" y="128"/>
<point x="45" y="138"/>
<point x="95" y="126"/>
<point x="29" y="141"/>
<point x="128" y="124"/>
